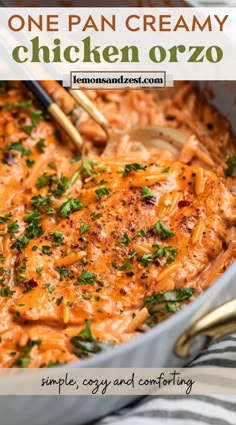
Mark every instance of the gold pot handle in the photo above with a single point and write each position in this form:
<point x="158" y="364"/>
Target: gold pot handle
<point x="213" y="326"/>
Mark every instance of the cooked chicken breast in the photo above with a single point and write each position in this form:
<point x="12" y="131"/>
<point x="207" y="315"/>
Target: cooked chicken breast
<point x="92" y="251"/>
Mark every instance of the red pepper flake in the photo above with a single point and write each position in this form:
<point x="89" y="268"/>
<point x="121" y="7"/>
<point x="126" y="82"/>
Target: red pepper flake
<point x="150" y="233"/>
<point x="184" y="203"/>
<point x="32" y="283"/>
<point x="8" y="158"/>
<point x="151" y="200"/>
<point x="123" y="291"/>
<point x="157" y="262"/>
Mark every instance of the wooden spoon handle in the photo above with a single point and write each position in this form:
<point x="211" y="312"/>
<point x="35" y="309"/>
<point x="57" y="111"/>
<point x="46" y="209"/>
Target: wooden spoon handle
<point x="90" y="108"/>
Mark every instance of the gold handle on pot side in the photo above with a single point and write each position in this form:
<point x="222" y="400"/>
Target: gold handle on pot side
<point x="213" y="326"/>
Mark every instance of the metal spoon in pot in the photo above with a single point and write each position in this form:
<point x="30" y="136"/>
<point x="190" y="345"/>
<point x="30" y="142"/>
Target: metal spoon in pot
<point x="160" y="137"/>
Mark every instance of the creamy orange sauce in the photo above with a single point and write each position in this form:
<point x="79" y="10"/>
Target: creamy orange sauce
<point x="96" y="247"/>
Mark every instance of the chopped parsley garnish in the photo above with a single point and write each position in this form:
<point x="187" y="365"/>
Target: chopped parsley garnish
<point x="6" y="292"/>
<point x="63" y="272"/>
<point x="6" y="218"/>
<point x="86" y="345"/>
<point x="40" y="145"/>
<point x="147" y="259"/>
<point x="17" y="146"/>
<point x="169" y="298"/>
<point x="38" y="201"/>
<point x="61" y="186"/>
<point x="29" y="162"/>
<point x="86" y="168"/>
<point x="166" y="170"/>
<point x="56" y="186"/>
<point x="59" y="300"/>
<point x="162" y="230"/>
<point x="102" y="191"/>
<point x="86" y="278"/>
<point x="39" y="270"/>
<point x="96" y="216"/>
<point x="31" y="217"/>
<point x="52" y="165"/>
<point x="30" y="344"/>
<point x="125" y="239"/>
<point x="47" y="207"/>
<point x="35" y="115"/>
<point x="132" y="255"/>
<point x="5" y="271"/>
<point x="166" y="251"/>
<point x="22" y="105"/>
<point x="86" y="297"/>
<point x="133" y="167"/>
<point x="28" y="288"/>
<point x="146" y="192"/>
<point x="33" y="230"/>
<point x="68" y="207"/>
<point x="142" y="233"/>
<point x="46" y="249"/>
<point x="125" y="266"/>
<point x="23" y="360"/>
<point x="57" y="238"/>
<point x="84" y="228"/>
<point x="171" y="252"/>
<point x="13" y="228"/>
<point x="44" y="202"/>
<point x="50" y="288"/>
<point x="231" y="163"/>
<point x="43" y="181"/>
<point x="28" y="129"/>
<point x="22" y="268"/>
<point x="20" y="243"/>
<point x="22" y="278"/>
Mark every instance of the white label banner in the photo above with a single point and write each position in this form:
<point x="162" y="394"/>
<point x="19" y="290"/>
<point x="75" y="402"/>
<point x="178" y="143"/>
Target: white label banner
<point x="187" y="43"/>
<point x="116" y="79"/>
<point x="125" y="381"/>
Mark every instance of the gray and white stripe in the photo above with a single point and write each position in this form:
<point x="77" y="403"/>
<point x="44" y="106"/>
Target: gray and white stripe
<point x="185" y="410"/>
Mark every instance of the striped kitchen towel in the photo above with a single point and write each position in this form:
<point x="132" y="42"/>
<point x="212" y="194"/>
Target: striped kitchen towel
<point x="185" y="410"/>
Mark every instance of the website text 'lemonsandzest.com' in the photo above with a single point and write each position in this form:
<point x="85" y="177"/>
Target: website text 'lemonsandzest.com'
<point x="118" y="79"/>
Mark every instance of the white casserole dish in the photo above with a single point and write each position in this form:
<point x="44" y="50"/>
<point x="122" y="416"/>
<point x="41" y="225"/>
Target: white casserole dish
<point x="154" y="349"/>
